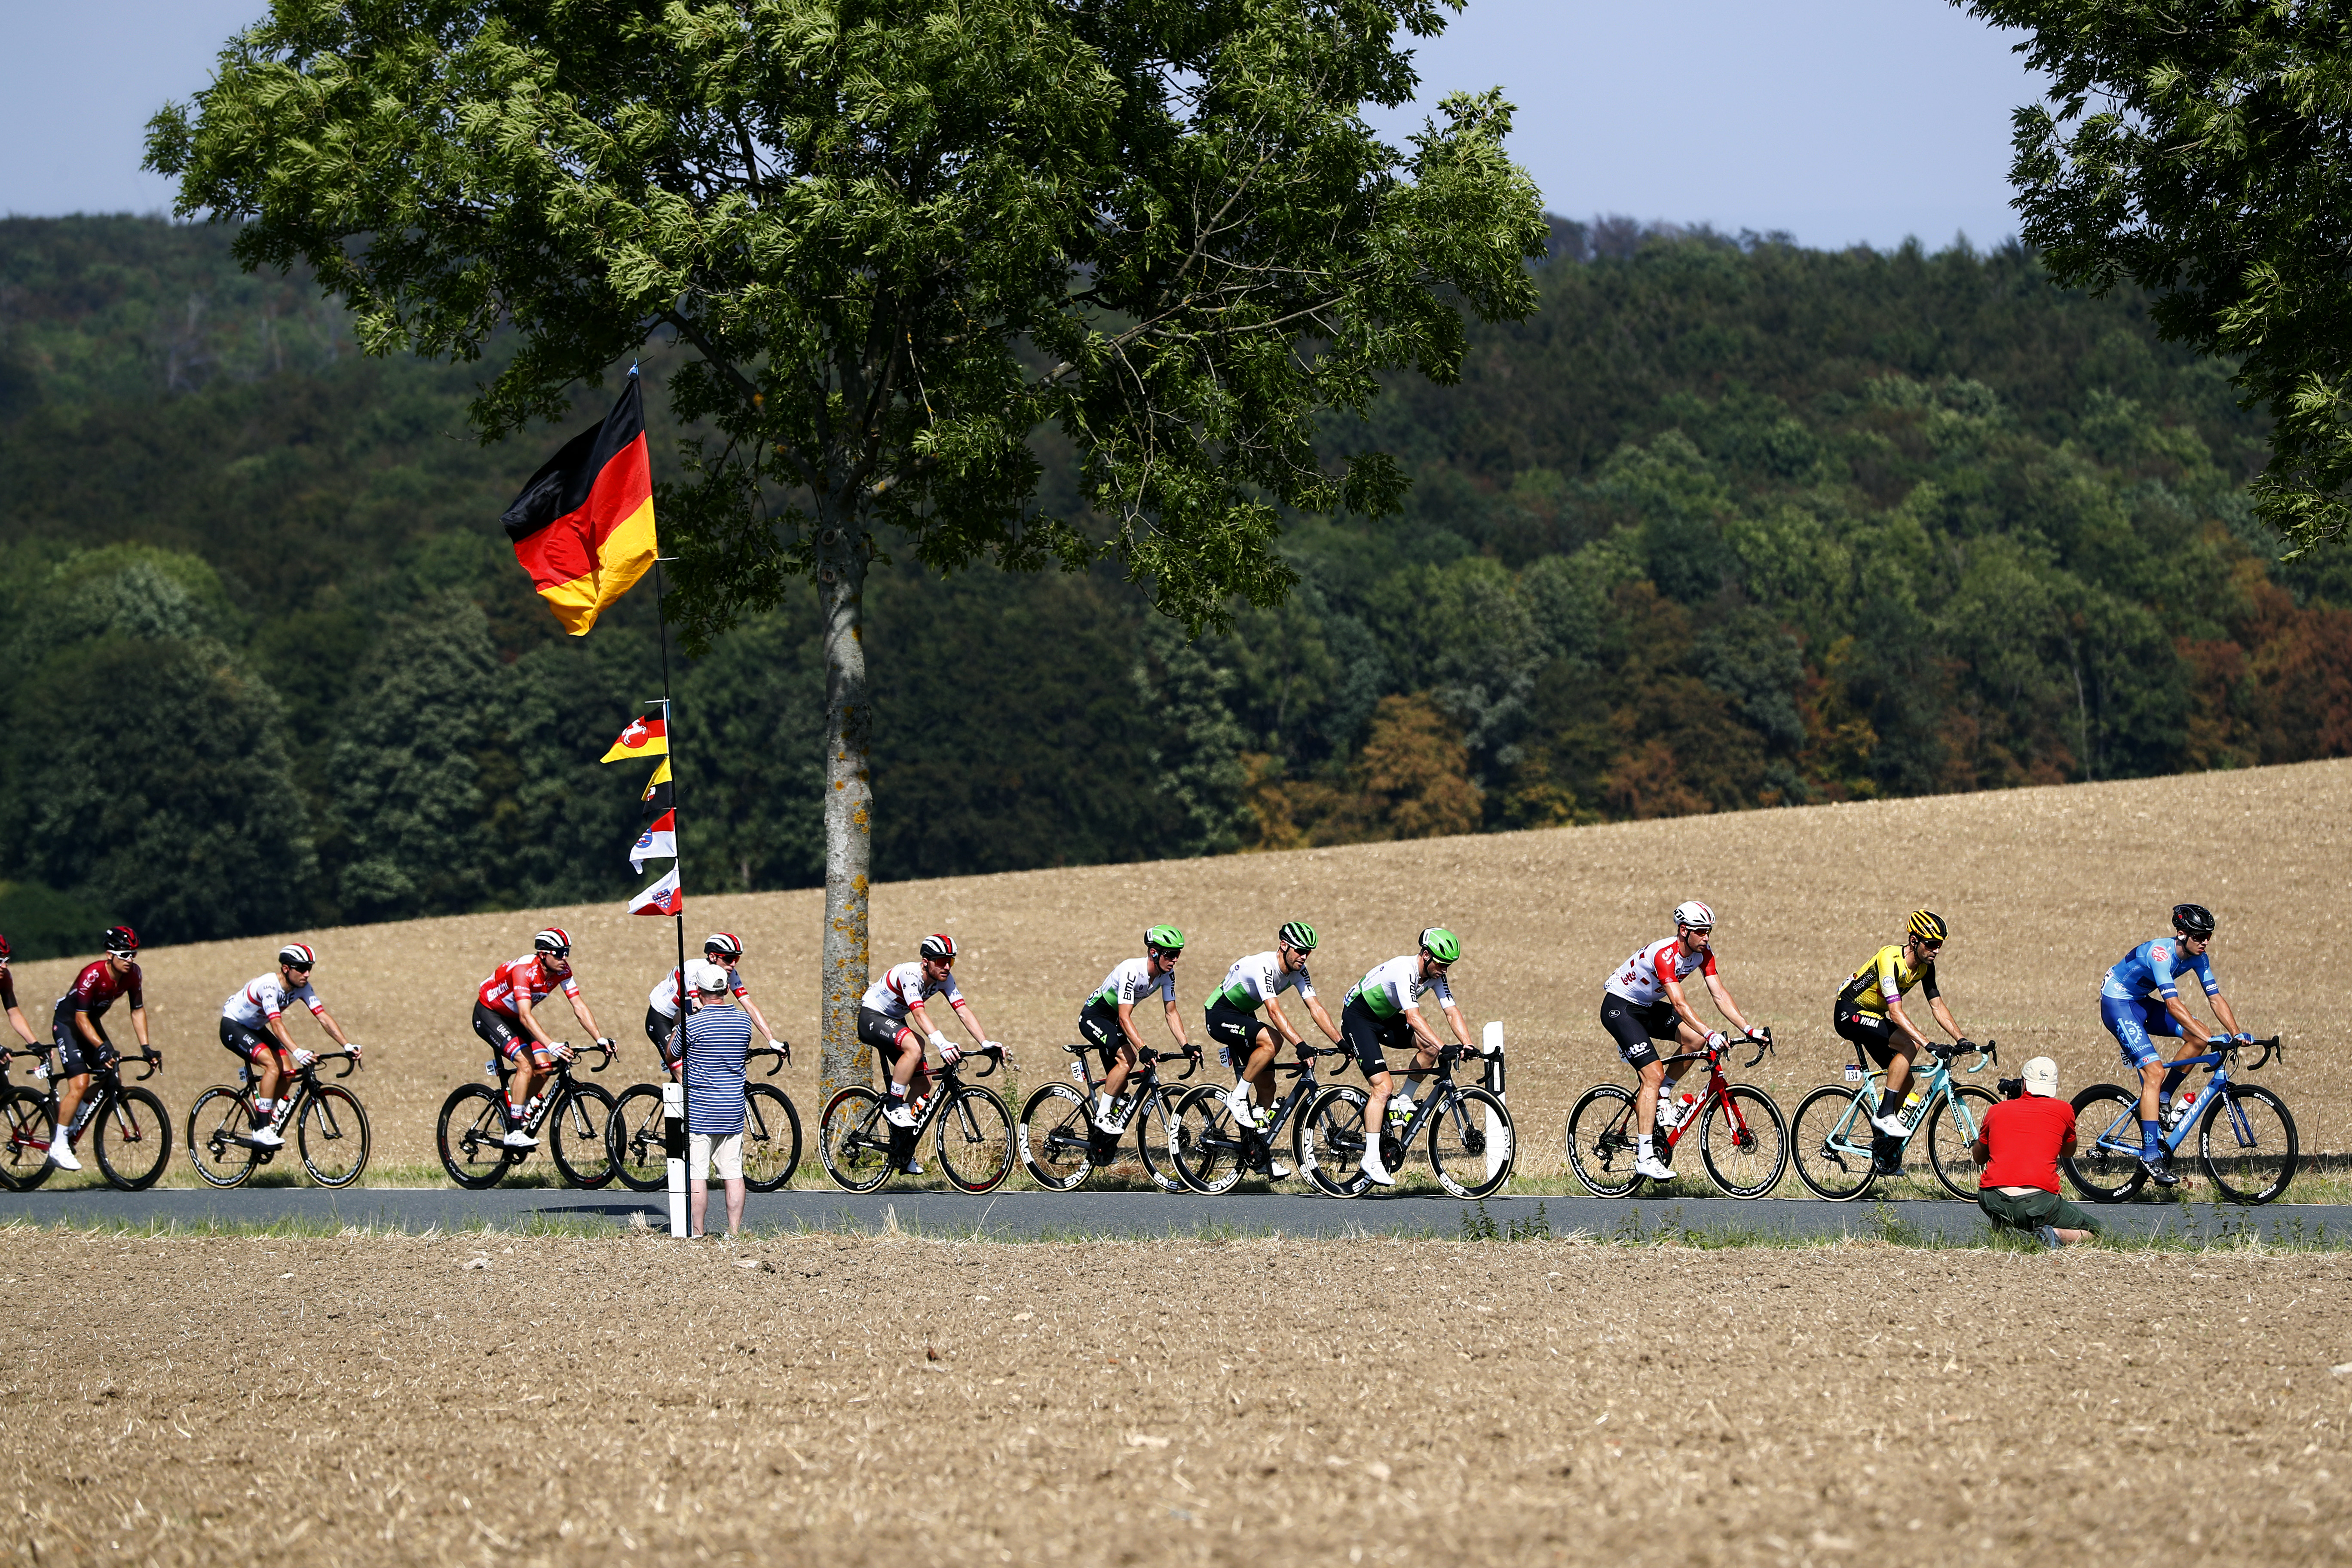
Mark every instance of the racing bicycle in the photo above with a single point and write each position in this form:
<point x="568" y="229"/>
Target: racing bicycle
<point x="1062" y="1146"/>
<point x="331" y="1128"/>
<point x="973" y="1138"/>
<point x="1835" y="1144"/>
<point x="1213" y="1150"/>
<point x="129" y="1131"/>
<point x="576" y="1114"/>
<point x="2245" y="1139"/>
<point x="1470" y="1141"/>
<point x="771" y="1132"/>
<point x="1742" y="1137"/>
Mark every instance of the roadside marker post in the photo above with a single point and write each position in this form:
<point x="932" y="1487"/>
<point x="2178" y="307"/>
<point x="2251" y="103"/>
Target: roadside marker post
<point x="674" y="1145"/>
<point x="1490" y="1045"/>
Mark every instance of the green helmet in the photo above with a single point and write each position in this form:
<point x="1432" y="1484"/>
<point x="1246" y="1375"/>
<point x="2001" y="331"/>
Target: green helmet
<point x="1166" y="939"/>
<point x="1297" y="935"/>
<point x="1441" y="944"/>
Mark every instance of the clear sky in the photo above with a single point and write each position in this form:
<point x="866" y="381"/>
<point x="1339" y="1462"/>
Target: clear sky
<point x="1839" y="121"/>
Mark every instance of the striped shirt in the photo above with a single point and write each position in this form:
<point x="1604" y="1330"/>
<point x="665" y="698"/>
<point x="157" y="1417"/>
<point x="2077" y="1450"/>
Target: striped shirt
<point x="718" y="1040"/>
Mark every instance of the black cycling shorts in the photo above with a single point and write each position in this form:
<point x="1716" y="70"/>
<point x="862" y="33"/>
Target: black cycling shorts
<point x="661" y="1030"/>
<point x="243" y="1041"/>
<point x="1099" y="1026"/>
<point x="1237" y="1031"/>
<point x="1868" y="1030"/>
<point x="882" y="1032"/>
<point x="75" y="1056"/>
<point x="1371" y="1037"/>
<point x="500" y="1034"/>
<point x="1635" y="1027"/>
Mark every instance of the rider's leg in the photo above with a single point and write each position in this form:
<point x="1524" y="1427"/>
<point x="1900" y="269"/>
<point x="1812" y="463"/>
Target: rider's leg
<point x="1122" y="1062"/>
<point x="1258" y="1072"/>
<point x="1900" y="1051"/>
<point x="2151" y="1086"/>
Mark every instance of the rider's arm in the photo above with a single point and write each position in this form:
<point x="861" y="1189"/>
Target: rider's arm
<point x="90" y="1030"/>
<point x="523" y="1016"/>
<point x="1683" y="1009"/>
<point x="587" y="1019"/>
<point x="1127" y="1025"/>
<point x="1944" y="1017"/>
<point x="1461" y="1026"/>
<point x="971" y="1020"/>
<point x="1902" y="1020"/>
<point x="1323" y="1019"/>
<point x="139" y="1027"/>
<point x="1176" y="1022"/>
<point x="2182" y="1015"/>
<point x="1282" y="1024"/>
<point x="334" y="1030"/>
<point x="2223" y="1011"/>
<point x="277" y="1023"/>
<point x="16" y="1022"/>
<point x="1722" y="1001"/>
<point x="753" y="1014"/>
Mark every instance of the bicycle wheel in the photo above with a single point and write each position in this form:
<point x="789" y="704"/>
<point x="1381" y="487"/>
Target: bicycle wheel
<point x="771" y="1137"/>
<point x="1471" y="1144"/>
<point x="575" y="1136"/>
<point x="25" y="1129"/>
<point x="1155" y="1131"/>
<point x="640" y="1157"/>
<point x="1208" y="1146"/>
<point x="2247" y="1144"/>
<point x="333" y="1136"/>
<point x="1744" y="1142"/>
<point x="2104" y="1166"/>
<point x="131" y="1134"/>
<point x="1055" y="1141"/>
<point x="974" y="1140"/>
<point x="1829" y="1143"/>
<point x="1331" y="1141"/>
<point x="473" y="1119"/>
<point x="853" y="1140"/>
<point x="1958" y="1118"/>
<point x="1601" y="1146"/>
<point x="219" y="1124"/>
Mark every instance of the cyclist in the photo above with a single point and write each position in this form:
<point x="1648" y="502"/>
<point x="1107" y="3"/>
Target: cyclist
<point x="1382" y="1012"/>
<point x="1644" y="1000"/>
<point x="1251" y="1043"/>
<point x="252" y="1027"/>
<point x="2140" y="998"/>
<point x="723" y="949"/>
<point x="1869" y="1012"/>
<point x="504" y="1019"/>
<point x="79" y="1036"/>
<point x="8" y="1003"/>
<point x="903" y="993"/>
<point x="1108" y="1019"/>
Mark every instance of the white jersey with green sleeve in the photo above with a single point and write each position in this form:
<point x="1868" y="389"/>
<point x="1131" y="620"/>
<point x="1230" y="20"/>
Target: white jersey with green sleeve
<point x="1397" y="984"/>
<point x="1254" y="981"/>
<point x="1130" y="982"/>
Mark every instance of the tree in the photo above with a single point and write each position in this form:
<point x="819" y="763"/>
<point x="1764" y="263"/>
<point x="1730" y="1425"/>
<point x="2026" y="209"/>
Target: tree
<point x="2214" y="170"/>
<point x="900" y="235"/>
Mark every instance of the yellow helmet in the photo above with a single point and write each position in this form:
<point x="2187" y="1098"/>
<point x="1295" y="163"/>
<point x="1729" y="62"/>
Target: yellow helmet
<point x="1928" y="926"/>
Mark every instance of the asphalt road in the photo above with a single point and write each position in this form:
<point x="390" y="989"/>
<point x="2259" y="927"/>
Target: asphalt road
<point x="1029" y="1215"/>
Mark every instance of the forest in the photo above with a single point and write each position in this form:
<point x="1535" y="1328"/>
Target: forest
<point x="1727" y="524"/>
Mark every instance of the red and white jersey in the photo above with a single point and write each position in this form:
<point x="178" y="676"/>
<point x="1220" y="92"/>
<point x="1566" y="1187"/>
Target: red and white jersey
<point x="902" y="986"/>
<point x="528" y="977"/>
<point x="264" y="997"/>
<point x="1642" y="979"/>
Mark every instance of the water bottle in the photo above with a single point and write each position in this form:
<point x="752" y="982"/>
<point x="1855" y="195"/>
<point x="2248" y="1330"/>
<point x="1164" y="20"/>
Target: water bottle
<point x="1910" y="1108"/>
<point x="1399" y="1111"/>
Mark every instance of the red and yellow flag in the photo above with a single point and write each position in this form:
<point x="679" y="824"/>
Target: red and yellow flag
<point x="643" y="738"/>
<point x="583" y="526"/>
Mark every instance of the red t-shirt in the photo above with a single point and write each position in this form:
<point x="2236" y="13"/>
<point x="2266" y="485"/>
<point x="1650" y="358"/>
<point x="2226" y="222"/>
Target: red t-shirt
<point x="2023" y="1137"/>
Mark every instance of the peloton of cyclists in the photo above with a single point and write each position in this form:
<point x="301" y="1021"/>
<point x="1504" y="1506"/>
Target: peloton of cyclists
<point x="1251" y="1042"/>
<point x="8" y="1005"/>
<point x="79" y="1035"/>
<point x="1644" y="1000"/>
<point x="253" y="1028"/>
<point x="1382" y="1013"/>
<point x="723" y="949"/>
<point x="1108" y="1019"/>
<point x="1869" y="1013"/>
<point x="2141" y="997"/>
<point x="504" y="1018"/>
<point x="904" y="992"/>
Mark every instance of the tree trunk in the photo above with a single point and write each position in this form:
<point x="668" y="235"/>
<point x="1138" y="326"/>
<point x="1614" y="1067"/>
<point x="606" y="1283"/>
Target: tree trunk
<point x="848" y="801"/>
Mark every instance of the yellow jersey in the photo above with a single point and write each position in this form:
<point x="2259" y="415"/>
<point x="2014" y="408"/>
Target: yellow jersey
<point x="1886" y="978"/>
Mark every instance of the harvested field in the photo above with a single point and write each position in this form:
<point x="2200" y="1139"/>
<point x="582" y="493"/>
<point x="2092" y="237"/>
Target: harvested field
<point x="2043" y="888"/>
<point x="396" y="1399"/>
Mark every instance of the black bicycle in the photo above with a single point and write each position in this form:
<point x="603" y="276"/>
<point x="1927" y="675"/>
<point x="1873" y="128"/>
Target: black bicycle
<point x="972" y="1132"/>
<point x="1471" y="1140"/>
<point x="576" y="1115"/>
<point x="771" y="1132"/>
<point x="1213" y="1149"/>
<point x="331" y="1128"/>
<point x="130" y="1130"/>
<point x="1062" y="1146"/>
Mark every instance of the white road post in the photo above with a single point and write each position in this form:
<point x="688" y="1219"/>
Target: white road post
<point x="674" y="1145"/>
<point x="1498" y="1146"/>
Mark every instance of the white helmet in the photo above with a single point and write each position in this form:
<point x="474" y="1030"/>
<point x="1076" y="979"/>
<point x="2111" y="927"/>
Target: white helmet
<point x="1696" y="915"/>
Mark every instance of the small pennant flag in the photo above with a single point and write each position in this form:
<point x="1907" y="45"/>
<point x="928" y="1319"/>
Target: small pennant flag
<point x="659" y="842"/>
<point x="658" y="796"/>
<point x="664" y="897"/>
<point x="583" y="525"/>
<point x="643" y="738"/>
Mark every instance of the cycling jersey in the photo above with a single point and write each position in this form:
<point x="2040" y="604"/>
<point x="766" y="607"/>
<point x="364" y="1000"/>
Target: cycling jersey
<point x="96" y="988"/>
<point x="264" y="998"/>
<point x="1642" y="979"/>
<point x="2148" y="970"/>
<point x="1254" y="981"/>
<point x="902" y="986"/>
<point x="7" y="989"/>
<point x="663" y="999"/>
<point x="1396" y="985"/>
<point x="1884" y="979"/>
<point x="527" y="975"/>
<point x="1130" y="982"/>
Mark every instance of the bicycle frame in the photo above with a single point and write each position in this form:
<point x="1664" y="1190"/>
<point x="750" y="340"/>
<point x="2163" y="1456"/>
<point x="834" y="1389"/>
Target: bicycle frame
<point x="1444" y="1094"/>
<point x="1935" y="1088"/>
<point x="2217" y="1065"/>
<point x="104" y="1092"/>
<point x="945" y="1079"/>
<point x="1719" y="1092"/>
<point x="558" y="1089"/>
<point x="306" y="1086"/>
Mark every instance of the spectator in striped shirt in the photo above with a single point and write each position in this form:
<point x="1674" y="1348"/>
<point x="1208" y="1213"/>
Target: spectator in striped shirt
<point x="718" y="1041"/>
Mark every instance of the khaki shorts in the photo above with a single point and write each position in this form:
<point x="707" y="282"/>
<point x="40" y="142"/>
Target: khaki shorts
<point x="703" y="1150"/>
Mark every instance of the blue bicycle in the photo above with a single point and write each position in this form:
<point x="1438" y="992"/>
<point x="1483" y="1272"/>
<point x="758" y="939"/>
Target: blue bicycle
<point x="2245" y="1139"/>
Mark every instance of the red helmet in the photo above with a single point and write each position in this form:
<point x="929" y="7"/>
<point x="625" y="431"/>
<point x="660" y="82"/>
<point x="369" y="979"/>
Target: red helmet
<point x="4" y="947"/>
<point x="939" y="947"/>
<point x="120" y="940"/>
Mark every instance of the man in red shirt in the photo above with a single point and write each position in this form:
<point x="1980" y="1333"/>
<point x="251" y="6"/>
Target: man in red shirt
<point x="80" y="1038"/>
<point x="2021" y="1145"/>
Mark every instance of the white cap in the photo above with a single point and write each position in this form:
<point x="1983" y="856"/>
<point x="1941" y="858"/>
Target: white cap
<point x="2042" y="1078"/>
<point x="706" y="977"/>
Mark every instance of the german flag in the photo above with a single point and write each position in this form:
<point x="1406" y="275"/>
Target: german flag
<point x="583" y="526"/>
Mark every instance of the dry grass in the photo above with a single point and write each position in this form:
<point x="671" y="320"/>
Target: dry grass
<point x="2043" y="888"/>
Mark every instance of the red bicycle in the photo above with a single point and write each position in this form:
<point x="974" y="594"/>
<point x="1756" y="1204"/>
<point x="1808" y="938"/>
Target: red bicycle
<point x="1742" y="1137"/>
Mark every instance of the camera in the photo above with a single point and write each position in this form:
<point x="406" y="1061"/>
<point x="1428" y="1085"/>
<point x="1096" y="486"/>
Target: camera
<point x="2011" y="1088"/>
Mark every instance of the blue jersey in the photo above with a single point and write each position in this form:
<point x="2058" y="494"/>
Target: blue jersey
<point x="2149" y="970"/>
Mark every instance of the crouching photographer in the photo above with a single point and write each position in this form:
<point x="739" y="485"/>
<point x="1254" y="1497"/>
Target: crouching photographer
<point x="2023" y="1139"/>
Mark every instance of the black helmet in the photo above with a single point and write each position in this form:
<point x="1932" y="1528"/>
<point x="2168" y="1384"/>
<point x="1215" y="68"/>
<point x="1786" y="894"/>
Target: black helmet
<point x="119" y="939"/>
<point x="2192" y="920"/>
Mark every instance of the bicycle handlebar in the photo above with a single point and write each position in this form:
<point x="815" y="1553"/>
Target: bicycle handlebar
<point x="151" y="1062"/>
<point x="1762" y="1041"/>
<point x="2274" y="1047"/>
<point x="996" y="1054"/>
<point x="349" y="1060"/>
<point x="781" y="1055"/>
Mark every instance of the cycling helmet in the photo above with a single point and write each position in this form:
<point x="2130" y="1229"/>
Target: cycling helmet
<point x="554" y="939"/>
<point x="1298" y="934"/>
<point x="1164" y="939"/>
<point x="299" y="956"/>
<point x="724" y="943"/>
<point x="940" y="947"/>
<point x="2192" y="920"/>
<point x="1928" y="926"/>
<point x="3" y="949"/>
<point x="1441" y="944"/>
<point x="1696" y="915"/>
<point x="121" y="939"/>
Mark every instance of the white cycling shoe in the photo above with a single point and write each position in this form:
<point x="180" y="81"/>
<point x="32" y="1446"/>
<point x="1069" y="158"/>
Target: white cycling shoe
<point x="1657" y="1170"/>
<point x="61" y="1155"/>
<point x="899" y="1113"/>
<point x="267" y="1137"/>
<point x="1891" y="1125"/>
<point x="1374" y="1172"/>
<point x="1277" y="1170"/>
<point x="517" y="1138"/>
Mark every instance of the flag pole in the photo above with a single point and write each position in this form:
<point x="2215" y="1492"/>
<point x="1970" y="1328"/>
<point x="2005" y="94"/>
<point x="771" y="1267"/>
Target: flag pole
<point x="673" y="1133"/>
